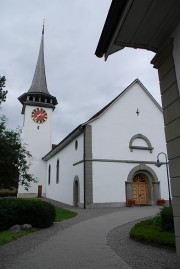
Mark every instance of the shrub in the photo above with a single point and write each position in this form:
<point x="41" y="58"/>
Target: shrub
<point x="7" y="214"/>
<point x="39" y="214"/>
<point x="148" y="231"/>
<point x="155" y="221"/>
<point x="167" y="220"/>
<point x="7" y="194"/>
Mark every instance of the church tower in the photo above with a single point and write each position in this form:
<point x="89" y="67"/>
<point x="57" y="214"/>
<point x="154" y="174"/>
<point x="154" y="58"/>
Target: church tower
<point x="38" y="106"/>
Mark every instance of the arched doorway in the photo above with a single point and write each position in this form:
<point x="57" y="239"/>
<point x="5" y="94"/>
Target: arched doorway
<point x="143" y="181"/>
<point x="140" y="189"/>
<point x="76" y="191"/>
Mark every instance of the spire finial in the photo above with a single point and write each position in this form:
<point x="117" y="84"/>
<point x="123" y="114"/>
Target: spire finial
<point x="43" y="26"/>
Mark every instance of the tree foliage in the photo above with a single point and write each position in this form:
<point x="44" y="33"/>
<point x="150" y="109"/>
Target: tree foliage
<point x="3" y="92"/>
<point x="14" y="158"/>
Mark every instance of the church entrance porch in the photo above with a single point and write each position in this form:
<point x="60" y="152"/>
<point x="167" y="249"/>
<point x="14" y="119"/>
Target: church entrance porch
<point x="142" y="185"/>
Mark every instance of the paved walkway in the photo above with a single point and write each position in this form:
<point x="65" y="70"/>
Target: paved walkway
<point x="77" y="245"/>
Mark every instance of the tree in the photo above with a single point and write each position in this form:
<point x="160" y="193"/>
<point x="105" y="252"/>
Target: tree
<point x="3" y="93"/>
<point x="14" y="158"/>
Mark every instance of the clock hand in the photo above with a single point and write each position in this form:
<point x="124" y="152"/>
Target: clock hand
<point x="39" y="115"/>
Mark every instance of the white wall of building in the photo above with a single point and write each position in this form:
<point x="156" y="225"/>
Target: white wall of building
<point x="109" y="181"/>
<point x="111" y="136"/>
<point x="38" y="139"/>
<point x="114" y="129"/>
<point x="67" y="157"/>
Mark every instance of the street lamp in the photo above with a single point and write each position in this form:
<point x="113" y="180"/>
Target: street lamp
<point x="158" y="164"/>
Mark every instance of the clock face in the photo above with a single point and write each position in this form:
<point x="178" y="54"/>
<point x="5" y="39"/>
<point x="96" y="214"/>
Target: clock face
<point x="39" y="115"/>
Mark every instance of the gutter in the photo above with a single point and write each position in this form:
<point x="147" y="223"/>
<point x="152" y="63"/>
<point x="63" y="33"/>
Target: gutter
<point x="84" y="174"/>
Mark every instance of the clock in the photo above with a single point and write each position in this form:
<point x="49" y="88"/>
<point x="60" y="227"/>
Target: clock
<point x="39" y="115"/>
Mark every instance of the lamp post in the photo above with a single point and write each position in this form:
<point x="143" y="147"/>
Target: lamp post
<point x="158" y="164"/>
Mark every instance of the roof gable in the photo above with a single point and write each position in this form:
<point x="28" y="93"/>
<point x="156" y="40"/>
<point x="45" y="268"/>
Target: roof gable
<point x="104" y="109"/>
<point x="77" y="131"/>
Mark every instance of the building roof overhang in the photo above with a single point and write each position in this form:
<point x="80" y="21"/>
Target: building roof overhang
<point x="64" y="142"/>
<point x="25" y="101"/>
<point x="138" y="24"/>
<point x="23" y="97"/>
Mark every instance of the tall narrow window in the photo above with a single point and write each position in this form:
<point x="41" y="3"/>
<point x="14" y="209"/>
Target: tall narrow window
<point x="76" y="145"/>
<point x="49" y="174"/>
<point x="57" y="172"/>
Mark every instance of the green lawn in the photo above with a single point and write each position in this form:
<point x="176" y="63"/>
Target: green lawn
<point x="62" y="214"/>
<point x="8" y="236"/>
<point x="149" y="231"/>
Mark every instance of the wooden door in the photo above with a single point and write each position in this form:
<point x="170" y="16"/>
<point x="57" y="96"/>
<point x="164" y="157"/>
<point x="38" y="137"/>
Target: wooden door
<point x="140" y="194"/>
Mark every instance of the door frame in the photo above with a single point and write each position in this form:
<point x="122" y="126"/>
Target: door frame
<point x="153" y="186"/>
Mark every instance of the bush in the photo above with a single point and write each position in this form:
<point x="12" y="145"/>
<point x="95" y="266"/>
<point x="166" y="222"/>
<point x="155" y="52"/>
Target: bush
<point x="7" y="214"/>
<point x="7" y="194"/>
<point x="149" y="231"/>
<point x="167" y="220"/>
<point x="39" y="214"/>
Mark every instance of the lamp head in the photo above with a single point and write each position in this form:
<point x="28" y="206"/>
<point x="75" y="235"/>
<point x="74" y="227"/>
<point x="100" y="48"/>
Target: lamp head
<point x="158" y="164"/>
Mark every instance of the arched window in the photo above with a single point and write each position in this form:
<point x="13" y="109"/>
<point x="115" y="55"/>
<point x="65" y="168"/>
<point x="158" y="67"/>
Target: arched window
<point x="139" y="138"/>
<point x="57" y="172"/>
<point x="49" y="174"/>
<point x="76" y="145"/>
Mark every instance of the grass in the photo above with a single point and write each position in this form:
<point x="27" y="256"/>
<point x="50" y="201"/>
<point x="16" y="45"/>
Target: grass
<point x="8" y="236"/>
<point x="150" y="231"/>
<point x="62" y="214"/>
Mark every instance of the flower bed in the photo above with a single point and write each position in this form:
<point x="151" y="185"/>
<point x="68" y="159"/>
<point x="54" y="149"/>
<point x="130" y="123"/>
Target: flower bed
<point x="130" y="202"/>
<point x="161" y="201"/>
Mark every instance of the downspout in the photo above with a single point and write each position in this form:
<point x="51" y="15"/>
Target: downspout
<point x="84" y="170"/>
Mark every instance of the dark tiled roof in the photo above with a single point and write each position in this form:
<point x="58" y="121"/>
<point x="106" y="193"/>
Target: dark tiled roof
<point x="38" y="94"/>
<point x="39" y="84"/>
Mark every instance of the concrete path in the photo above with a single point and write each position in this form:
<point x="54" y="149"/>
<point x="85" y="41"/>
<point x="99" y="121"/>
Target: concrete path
<point x="83" y="245"/>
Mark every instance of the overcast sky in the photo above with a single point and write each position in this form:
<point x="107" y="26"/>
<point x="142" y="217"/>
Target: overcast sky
<point x="81" y="82"/>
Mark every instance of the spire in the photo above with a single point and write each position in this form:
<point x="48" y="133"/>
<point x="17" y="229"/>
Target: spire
<point x="39" y="84"/>
<point x="43" y="27"/>
<point x="38" y="94"/>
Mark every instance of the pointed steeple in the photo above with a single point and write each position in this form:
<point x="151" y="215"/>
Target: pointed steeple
<point x="38" y="94"/>
<point x="39" y="83"/>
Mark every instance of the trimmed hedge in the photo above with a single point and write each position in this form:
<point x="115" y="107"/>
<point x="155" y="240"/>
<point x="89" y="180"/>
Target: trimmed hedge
<point x="39" y="214"/>
<point x="7" y="194"/>
<point x="167" y="219"/>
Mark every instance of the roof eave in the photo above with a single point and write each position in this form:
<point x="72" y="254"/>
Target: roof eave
<point x="116" y="8"/>
<point x="64" y="142"/>
<point x="120" y="30"/>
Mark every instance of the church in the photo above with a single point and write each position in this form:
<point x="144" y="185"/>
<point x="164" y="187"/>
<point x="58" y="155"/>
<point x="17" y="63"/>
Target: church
<point x="106" y="160"/>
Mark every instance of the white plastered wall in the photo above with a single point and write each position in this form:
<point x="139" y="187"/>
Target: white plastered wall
<point x="63" y="191"/>
<point x="111" y="136"/>
<point x="38" y="141"/>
